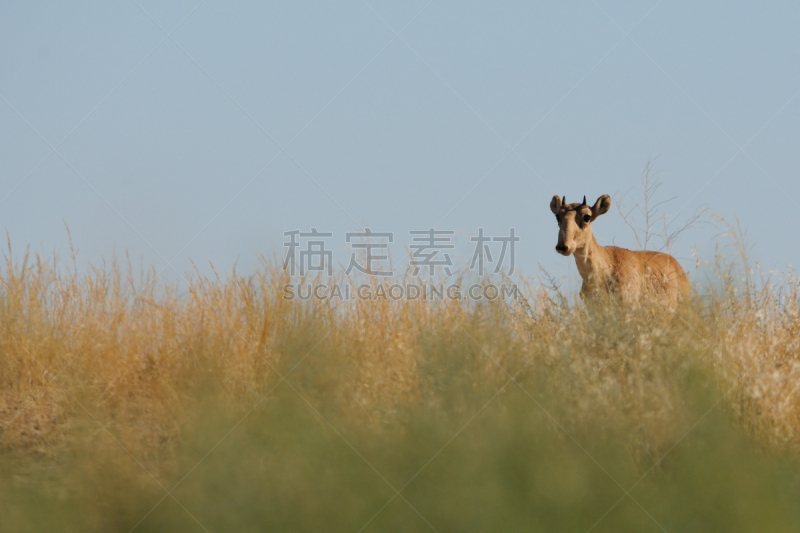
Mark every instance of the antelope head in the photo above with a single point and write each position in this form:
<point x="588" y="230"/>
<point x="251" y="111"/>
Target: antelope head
<point x="575" y="221"/>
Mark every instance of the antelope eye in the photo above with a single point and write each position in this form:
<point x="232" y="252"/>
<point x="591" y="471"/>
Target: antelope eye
<point x="587" y="218"/>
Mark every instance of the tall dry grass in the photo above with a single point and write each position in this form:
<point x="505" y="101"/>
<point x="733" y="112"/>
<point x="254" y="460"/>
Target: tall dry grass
<point x="308" y="415"/>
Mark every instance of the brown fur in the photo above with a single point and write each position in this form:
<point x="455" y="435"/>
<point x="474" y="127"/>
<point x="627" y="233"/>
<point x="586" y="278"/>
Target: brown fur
<point x="609" y="269"/>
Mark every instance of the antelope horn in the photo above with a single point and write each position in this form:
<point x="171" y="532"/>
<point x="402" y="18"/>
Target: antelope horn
<point x="584" y="199"/>
<point x="564" y="200"/>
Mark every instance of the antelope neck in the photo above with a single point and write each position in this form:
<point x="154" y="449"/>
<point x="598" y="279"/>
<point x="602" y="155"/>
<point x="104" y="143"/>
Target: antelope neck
<point x="590" y="258"/>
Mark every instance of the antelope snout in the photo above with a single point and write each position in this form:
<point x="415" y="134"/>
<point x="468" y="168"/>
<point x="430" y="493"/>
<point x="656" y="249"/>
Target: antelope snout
<point x="562" y="249"/>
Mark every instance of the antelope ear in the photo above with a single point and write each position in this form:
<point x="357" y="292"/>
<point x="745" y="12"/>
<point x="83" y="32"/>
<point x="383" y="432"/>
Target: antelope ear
<point x="555" y="204"/>
<point x="601" y="206"/>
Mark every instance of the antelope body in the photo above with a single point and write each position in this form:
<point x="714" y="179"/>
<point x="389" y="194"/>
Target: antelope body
<point x="612" y="270"/>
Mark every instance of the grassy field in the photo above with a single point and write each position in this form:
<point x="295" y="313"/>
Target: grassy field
<point x="125" y="406"/>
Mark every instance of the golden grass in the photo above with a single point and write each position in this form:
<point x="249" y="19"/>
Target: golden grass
<point x="105" y="361"/>
<point x="130" y="350"/>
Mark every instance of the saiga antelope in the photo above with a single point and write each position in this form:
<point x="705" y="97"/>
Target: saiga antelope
<point x="609" y="269"/>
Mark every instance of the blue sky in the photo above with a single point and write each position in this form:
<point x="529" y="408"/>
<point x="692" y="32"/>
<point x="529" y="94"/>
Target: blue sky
<point x="201" y="131"/>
